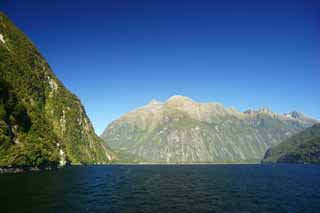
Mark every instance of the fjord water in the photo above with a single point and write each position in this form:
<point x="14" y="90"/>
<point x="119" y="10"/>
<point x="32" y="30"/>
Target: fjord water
<point x="164" y="188"/>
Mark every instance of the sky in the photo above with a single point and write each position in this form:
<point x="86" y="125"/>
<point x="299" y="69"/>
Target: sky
<point x="117" y="55"/>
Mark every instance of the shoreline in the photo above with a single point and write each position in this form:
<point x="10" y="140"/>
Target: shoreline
<point x="184" y="164"/>
<point x="16" y="170"/>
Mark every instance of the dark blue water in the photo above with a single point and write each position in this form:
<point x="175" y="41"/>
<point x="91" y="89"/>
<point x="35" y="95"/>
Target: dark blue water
<point x="170" y="188"/>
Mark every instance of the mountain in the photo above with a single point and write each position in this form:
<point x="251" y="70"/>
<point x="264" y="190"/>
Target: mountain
<point x="181" y="131"/>
<point x="41" y="123"/>
<point x="303" y="147"/>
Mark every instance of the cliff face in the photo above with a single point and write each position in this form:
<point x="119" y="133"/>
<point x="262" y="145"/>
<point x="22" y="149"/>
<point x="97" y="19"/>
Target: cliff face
<point x="41" y="122"/>
<point x="303" y="147"/>
<point x="181" y="130"/>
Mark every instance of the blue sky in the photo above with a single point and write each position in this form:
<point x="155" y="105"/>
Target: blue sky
<point x="117" y="55"/>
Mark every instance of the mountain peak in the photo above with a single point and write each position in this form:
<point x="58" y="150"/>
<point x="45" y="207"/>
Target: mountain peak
<point x="264" y="110"/>
<point x="179" y="99"/>
<point x="295" y="114"/>
<point x="154" y="102"/>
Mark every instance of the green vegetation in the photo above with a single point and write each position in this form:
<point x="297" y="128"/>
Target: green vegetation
<point x="38" y="148"/>
<point x="41" y="122"/>
<point x="303" y="147"/>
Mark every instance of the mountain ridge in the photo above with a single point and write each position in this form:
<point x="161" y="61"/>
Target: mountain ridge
<point x="172" y="130"/>
<point x="303" y="147"/>
<point x="292" y="115"/>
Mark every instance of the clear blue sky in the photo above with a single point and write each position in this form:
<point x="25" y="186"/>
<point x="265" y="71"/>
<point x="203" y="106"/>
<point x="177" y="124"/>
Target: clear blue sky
<point x="117" y="55"/>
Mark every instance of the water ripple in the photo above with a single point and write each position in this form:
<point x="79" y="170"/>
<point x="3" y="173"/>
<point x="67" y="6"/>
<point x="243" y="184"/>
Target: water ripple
<point x="155" y="188"/>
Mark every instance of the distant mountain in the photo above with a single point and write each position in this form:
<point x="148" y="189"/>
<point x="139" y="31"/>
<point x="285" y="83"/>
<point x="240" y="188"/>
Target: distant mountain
<point x="181" y="131"/>
<point x="303" y="147"/>
<point x="41" y="123"/>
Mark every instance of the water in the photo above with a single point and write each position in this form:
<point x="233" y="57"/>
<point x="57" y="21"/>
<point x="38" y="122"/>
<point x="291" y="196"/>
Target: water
<point x="166" y="188"/>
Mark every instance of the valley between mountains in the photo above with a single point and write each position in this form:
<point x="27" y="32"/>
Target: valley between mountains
<point x="43" y="125"/>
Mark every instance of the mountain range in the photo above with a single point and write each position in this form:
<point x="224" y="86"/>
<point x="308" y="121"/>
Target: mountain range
<point x="181" y="130"/>
<point x="43" y="124"/>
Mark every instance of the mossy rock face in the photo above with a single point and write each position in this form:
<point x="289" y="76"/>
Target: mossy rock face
<point x="303" y="147"/>
<point x="41" y="122"/>
<point x="181" y="130"/>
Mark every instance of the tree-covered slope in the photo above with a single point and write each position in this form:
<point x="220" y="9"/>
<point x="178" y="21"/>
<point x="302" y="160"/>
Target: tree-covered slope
<point x="181" y="131"/>
<point x="303" y="147"/>
<point x="41" y="122"/>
